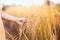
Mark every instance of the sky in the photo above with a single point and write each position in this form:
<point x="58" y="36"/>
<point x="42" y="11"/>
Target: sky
<point x="26" y="2"/>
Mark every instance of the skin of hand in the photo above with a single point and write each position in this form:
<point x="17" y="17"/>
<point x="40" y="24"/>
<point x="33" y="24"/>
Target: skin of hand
<point x="21" y="20"/>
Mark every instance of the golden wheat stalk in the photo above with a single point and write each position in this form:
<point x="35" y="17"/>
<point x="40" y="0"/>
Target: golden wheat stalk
<point x="2" y="30"/>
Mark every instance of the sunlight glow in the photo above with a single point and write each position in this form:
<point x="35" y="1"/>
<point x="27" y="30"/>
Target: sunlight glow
<point x="23" y="2"/>
<point x="26" y="2"/>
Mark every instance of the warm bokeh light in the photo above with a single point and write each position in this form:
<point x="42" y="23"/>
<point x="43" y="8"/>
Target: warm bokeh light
<point x="27" y="2"/>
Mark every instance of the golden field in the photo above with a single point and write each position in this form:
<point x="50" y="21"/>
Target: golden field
<point x="41" y="23"/>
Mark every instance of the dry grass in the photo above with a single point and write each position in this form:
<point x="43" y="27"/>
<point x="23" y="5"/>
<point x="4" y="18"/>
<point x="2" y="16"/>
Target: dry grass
<point x="41" y="22"/>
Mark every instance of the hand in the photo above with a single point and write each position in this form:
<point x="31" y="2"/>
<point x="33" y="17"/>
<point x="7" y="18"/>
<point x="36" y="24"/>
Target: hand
<point x="21" y="20"/>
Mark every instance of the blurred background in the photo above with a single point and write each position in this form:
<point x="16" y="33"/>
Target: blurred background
<point x="43" y="19"/>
